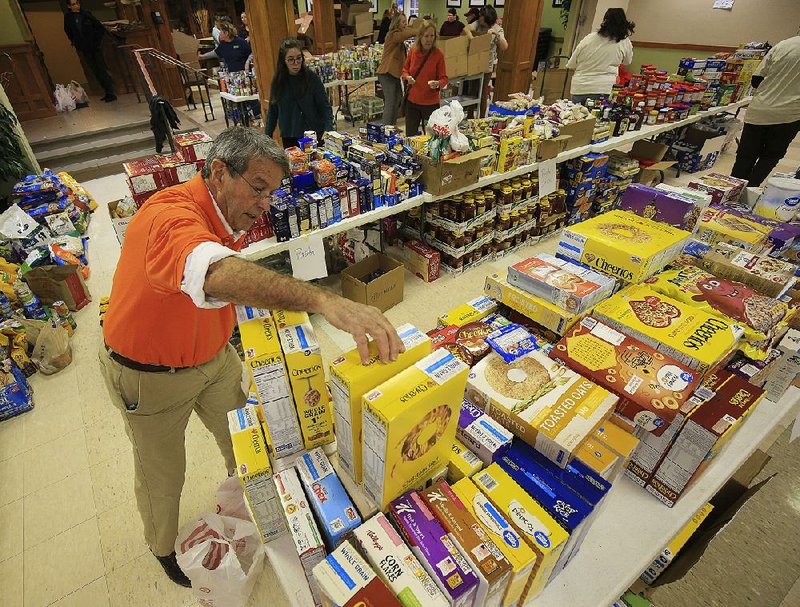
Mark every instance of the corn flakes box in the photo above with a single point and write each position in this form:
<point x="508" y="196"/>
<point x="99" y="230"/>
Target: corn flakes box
<point x="463" y="463"/>
<point x="472" y="311"/>
<point x="539" y="310"/>
<point x="622" y="244"/>
<point x="689" y="335"/>
<point x="409" y="424"/>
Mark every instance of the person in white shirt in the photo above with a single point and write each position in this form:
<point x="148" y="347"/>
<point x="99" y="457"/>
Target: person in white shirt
<point x="597" y="57"/>
<point x="486" y="23"/>
<point x="773" y="119"/>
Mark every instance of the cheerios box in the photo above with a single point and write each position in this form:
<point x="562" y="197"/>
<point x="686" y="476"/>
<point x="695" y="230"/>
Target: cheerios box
<point x="472" y="311"/>
<point x="247" y="313"/>
<point x="307" y="378"/>
<point x="289" y="318"/>
<point x="463" y="463"/>
<point x="622" y="244"/>
<point x="409" y="424"/>
<point x="543" y="534"/>
<point x="350" y="380"/>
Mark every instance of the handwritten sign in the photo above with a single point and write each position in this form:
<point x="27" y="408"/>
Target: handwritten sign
<point x="547" y="177"/>
<point x="307" y="256"/>
<point x="724" y="4"/>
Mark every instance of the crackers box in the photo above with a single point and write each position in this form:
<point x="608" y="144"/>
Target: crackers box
<point x="480" y="433"/>
<point x="490" y="566"/>
<point x="428" y="540"/>
<point x="263" y="358"/>
<point x="529" y="519"/>
<point x="628" y="367"/>
<point x="409" y="424"/>
<point x="307" y="378"/>
<point x="254" y="472"/>
<point x="541" y="401"/>
<point x="472" y="311"/>
<point x="537" y="309"/>
<point x="622" y="245"/>
<point x="694" y="338"/>
<point x="463" y="463"/>
<point x="350" y="380"/>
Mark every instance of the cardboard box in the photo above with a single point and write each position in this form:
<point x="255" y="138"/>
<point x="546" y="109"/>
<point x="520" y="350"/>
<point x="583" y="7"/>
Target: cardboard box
<point x="363" y="24"/>
<point x="472" y="311"/>
<point x="120" y="224"/>
<point x="419" y="259"/>
<point x="453" y="47"/>
<point x="463" y="463"/>
<point x="347" y="41"/>
<point x="447" y="176"/>
<point x="254" y="472"/>
<point x="556" y="422"/>
<point x="428" y="541"/>
<point x="351" y="11"/>
<point x="193" y="145"/>
<point x="650" y="156"/>
<point x="580" y="132"/>
<point x="409" y="424"/>
<point x="786" y="367"/>
<point x="478" y="63"/>
<point x="480" y="433"/>
<point x="488" y="562"/>
<point x="383" y="292"/>
<point x="529" y="519"/>
<point x="350" y="380"/>
<point x="537" y="309"/>
<point x="264" y="360"/>
<point x="550" y="148"/>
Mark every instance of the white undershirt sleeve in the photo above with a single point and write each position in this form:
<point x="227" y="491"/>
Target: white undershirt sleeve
<point x="195" y="270"/>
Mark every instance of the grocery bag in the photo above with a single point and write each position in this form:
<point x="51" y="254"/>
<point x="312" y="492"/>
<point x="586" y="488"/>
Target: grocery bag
<point x="78" y="94"/>
<point x="230" y="499"/>
<point x="52" y="351"/>
<point x="65" y="102"/>
<point x="222" y="556"/>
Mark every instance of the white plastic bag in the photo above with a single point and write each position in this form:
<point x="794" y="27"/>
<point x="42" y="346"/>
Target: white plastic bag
<point x="222" y="556"/>
<point x="65" y="102"/>
<point x="230" y="499"/>
<point x="78" y="94"/>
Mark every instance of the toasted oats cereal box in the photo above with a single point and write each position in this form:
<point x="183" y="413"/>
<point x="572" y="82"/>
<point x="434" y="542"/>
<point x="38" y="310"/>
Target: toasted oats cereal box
<point x="463" y="463"/>
<point x="472" y="311"/>
<point x="398" y="568"/>
<point x="483" y="435"/>
<point x="720" y="225"/>
<point x="622" y="245"/>
<point x="694" y="338"/>
<point x="543" y="312"/>
<point x="409" y="424"/>
<point x="543" y="534"/>
<point x="350" y="380"/>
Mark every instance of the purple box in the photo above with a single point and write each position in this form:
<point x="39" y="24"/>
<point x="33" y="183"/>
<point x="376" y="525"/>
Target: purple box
<point x="429" y="542"/>
<point x="667" y="207"/>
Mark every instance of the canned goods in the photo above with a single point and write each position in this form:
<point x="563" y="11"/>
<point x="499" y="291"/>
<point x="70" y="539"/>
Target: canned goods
<point x="62" y="311"/>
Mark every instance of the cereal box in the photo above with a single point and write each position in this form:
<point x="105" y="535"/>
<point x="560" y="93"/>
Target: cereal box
<point x="484" y="436"/>
<point x="766" y="275"/>
<point x="620" y="442"/>
<point x="723" y="188"/>
<point x="263" y="358"/>
<point x="560" y="282"/>
<point x="529" y="519"/>
<point x="755" y="371"/>
<point x="307" y="378"/>
<point x="301" y="525"/>
<point x="467" y="342"/>
<point x="692" y="337"/>
<point x="720" y="225"/>
<point x="628" y="367"/>
<point x="599" y="458"/>
<point x="622" y="245"/>
<point x="463" y="463"/>
<point x="672" y="208"/>
<point x="397" y="567"/>
<point x="289" y="318"/>
<point x="409" y="424"/>
<point x="247" y="313"/>
<point x="335" y="511"/>
<point x="431" y="544"/>
<point x="537" y="309"/>
<point x="472" y="311"/>
<point x="350" y="380"/>
<point x="541" y="401"/>
<point x="488" y="563"/>
<point x="254" y="472"/>
<point x="786" y="367"/>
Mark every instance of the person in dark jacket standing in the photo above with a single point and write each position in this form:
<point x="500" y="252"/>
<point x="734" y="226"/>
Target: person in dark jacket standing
<point x="86" y="33"/>
<point x="297" y="98"/>
<point x="451" y="27"/>
<point x="232" y="49"/>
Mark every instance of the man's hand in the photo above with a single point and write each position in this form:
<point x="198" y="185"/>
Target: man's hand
<point x="362" y="321"/>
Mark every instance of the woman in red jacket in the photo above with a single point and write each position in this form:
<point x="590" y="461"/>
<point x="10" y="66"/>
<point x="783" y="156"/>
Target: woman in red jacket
<point x="425" y="74"/>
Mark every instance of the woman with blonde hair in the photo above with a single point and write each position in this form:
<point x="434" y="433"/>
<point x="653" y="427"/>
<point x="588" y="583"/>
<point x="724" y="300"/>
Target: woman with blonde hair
<point x="425" y="74"/>
<point x="391" y="67"/>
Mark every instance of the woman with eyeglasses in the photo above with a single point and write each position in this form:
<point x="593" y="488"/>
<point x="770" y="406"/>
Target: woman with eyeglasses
<point x="297" y="98"/>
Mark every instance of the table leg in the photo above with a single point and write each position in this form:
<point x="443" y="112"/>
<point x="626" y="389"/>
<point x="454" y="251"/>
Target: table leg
<point x="225" y="110"/>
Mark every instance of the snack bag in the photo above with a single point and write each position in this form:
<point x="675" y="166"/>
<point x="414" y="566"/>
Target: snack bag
<point x="63" y="257"/>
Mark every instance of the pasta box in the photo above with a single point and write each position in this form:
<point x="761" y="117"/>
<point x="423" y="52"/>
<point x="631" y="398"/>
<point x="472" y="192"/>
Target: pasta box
<point x="463" y="463"/>
<point x="478" y="431"/>
<point x="667" y="207"/>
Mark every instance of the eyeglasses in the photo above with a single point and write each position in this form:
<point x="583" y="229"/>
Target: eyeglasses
<point x="260" y="193"/>
<point x="294" y="60"/>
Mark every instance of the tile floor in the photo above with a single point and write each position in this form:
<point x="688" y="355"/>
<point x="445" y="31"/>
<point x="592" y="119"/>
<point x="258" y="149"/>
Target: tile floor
<point x="70" y="534"/>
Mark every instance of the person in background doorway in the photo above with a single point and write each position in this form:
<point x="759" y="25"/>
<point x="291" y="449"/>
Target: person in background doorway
<point x="244" y="31"/>
<point x="772" y="120"/>
<point x="386" y="23"/>
<point x="425" y="74"/>
<point x="232" y="49"/>
<point x="472" y="15"/>
<point x="297" y="99"/>
<point x="86" y="33"/>
<point x="391" y="67"/>
<point x="451" y="27"/>
<point x="597" y="57"/>
<point x="487" y="24"/>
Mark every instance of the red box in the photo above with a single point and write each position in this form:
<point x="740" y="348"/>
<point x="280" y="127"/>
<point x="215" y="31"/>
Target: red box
<point x="194" y="145"/>
<point x="420" y="259"/>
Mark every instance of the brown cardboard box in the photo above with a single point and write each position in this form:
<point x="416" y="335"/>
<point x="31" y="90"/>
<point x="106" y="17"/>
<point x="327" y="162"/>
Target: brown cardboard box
<point x="455" y="54"/>
<point x="457" y="66"/>
<point x="479" y="44"/>
<point x="363" y="24"/>
<point x="653" y="174"/>
<point x="351" y="11"/>
<point x="420" y="259"/>
<point x="550" y="148"/>
<point x="478" y="63"/>
<point x="581" y="132"/>
<point x="553" y="84"/>
<point x="449" y="175"/>
<point x="383" y="292"/>
<point x="346" y="41"/>
<point x="120" y="225"/>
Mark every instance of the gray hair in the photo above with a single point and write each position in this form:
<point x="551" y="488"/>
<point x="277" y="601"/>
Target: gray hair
<point x="238" y="145"/>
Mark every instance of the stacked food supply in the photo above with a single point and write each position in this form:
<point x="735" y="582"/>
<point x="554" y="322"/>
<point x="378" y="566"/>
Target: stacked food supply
<point x="354" y="63"/>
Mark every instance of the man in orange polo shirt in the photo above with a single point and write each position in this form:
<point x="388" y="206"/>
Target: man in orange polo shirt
<point x="166" y="331"/>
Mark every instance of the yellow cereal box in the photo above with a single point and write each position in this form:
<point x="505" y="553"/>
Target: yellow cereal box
<point x="350" y="380"/>
<point x="599" y="458"/>
<point x="497" y="528"/>
<point x="618" y="441"/>
<point x="463" y="463"/>
<point x="307" y="378"/>
<point x="687" y="334"/>
<point x="537" y="309"/>
<point x="472" y="311"/>
<point x="289" y="318"/>
<point x="717" y="225"/>
<point x="409" y="424"/>
<point x="622" y="244"/>
<point x="546" y="537"/>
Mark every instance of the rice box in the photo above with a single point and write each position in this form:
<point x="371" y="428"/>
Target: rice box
<point x="409" y="424"/>
<point x="543" y="312"/>
<point x="543" y="534"/>
<point x="622" y="245"/>
<point x="463" y="463"/>
<point x="488" y="563"/>
<point x="400" y="570"/>
<point x="541" y="401"/>
<point x="472" y="311"/>
<point x="480" y="433"/>
<point x="334" y="509"/>
<point x="254" y="472"/>
<point x="430" y="543"/>
<point x="350" y="380"/>
<point x="307" y="378"/>
<point x="264" y="360"/>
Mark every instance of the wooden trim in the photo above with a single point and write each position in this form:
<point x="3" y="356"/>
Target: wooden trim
<point x="709" y="48"/>
<point x="29" y="89"/>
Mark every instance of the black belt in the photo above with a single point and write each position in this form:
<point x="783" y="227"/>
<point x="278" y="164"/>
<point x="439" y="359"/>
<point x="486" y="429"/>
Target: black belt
<point x="137" y="366"/>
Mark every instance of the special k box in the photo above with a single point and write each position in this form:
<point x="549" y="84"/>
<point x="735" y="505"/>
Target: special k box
<point x="350" y="380"/>
<point x="388" y="554"/>
<point x="472" y="311"/>
<point x="409" y="424"/>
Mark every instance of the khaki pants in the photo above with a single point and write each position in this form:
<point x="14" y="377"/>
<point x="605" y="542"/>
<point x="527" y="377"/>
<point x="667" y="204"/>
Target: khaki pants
<point x="156" y="408"/>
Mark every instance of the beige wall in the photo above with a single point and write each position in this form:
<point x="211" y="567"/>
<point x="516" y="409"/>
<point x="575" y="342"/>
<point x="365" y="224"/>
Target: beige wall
<point x="12" y="25"/>
<point x="603" y="6"/>
<point x="47" y="22"/>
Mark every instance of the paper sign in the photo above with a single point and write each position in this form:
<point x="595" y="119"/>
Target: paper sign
<point x="726" y="4"/>
<point x="307" y="256"/>
<point x="547" y="177"/>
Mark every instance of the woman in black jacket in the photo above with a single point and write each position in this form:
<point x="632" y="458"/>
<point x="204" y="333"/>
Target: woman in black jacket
<point x="297" y="99"/>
